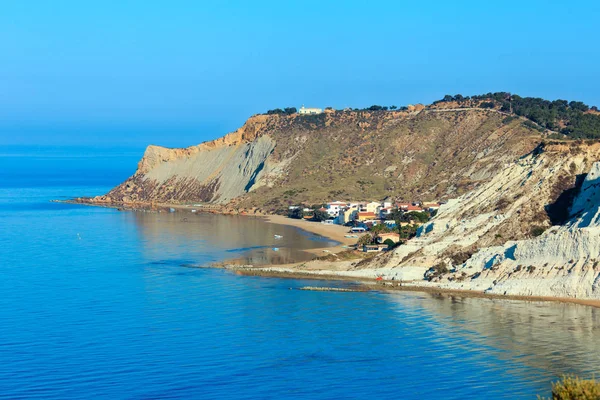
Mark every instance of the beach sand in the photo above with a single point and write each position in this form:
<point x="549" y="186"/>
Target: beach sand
<point x="334" y="232"/>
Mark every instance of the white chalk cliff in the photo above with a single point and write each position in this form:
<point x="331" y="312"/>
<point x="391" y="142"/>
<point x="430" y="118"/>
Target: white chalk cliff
<point x="563" y="261"/>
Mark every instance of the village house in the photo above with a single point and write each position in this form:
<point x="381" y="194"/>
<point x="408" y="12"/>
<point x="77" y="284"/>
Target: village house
<point x="431" y="206"/>
<point x="370" y="248"/>
<point x="310" y="111"/>
<point x="365" y="216"/>
<point x="403" y="206"/>
<point x="372" y="207"/>
<point x="347" y="215"/>
<point x="334" y="208"/>
<point x="385" y="212"/>
<point x="387" y="202"/>
<point x="382" y="237"/>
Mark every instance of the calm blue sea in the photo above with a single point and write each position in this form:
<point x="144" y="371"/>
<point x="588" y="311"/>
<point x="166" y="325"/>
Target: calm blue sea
<point x="97" y="303"/>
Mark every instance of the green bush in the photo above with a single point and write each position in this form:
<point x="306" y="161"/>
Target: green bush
<point x="296" y="213"/>
<point x="574" y="388"/>
<point x="390" y="243"/>
<point x="537" y="230"/>
<point x="319" y="215"/>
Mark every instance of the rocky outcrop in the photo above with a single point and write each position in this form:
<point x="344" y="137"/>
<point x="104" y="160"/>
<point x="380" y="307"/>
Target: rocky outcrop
<point x="533" y="230"/>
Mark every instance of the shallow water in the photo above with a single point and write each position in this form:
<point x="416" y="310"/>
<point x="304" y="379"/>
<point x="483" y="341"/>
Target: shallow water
<point x="108" y="304"/>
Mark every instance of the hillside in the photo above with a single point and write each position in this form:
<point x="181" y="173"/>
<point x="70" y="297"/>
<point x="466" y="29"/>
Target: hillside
<point x="531" y="230"/>
<point x="276" y="160"/>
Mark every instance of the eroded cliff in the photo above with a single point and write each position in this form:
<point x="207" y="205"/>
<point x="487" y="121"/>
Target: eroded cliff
<point x="534" y="229"/>
<point x="277" y="160"/>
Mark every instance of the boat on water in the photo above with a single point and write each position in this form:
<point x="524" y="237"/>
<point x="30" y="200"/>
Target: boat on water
<point x="277" y="236"/>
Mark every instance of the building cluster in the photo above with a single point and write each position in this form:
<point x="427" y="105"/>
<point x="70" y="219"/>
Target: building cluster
<point x="369" y="213"/>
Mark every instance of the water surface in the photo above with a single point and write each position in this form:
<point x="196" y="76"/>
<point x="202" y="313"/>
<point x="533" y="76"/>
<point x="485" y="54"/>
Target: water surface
<point x="107" y="304"/>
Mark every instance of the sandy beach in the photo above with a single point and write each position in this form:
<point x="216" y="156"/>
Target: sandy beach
<point x="334" y="232"/>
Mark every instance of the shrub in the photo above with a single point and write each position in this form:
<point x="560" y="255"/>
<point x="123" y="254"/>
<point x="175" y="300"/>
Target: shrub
<point x="436" y="271"/>
<point x="537" y="231"/>
<point x="296" y="213"/>
<point x="319" y="215"/>
<point x="574" y="388"/>
<point x="390" y="243"/>
<point x="461" y="257"/>
<point x="364" y="239"/>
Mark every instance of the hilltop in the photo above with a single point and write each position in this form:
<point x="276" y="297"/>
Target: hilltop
<point x="275" y="160"/>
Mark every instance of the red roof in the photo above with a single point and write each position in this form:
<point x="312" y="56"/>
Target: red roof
<point x="389" y="234"/>
<point x="414" y="208"/>
<point x="366" y="214"/>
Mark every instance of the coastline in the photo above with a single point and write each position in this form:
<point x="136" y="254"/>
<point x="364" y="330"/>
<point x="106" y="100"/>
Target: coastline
<point x="388" y="286"/>
<point x="327" y="270"/>
<point x="333" y="232"/>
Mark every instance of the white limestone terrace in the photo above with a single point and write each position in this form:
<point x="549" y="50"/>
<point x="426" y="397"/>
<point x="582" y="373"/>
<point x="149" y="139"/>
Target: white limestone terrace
<point x="564" y="261"/>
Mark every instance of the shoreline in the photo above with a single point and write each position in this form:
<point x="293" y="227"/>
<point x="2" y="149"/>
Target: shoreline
<point x="388" y="286"/>
<point x="332" y="232"/>
<point x="335" y="233"/>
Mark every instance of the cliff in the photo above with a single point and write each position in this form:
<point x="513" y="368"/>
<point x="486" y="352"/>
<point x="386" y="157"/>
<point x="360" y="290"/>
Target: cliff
<point x="534" y="229"/>
<point x="277" y="160"/>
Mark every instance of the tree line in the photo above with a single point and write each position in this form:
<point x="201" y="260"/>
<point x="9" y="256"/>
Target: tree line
<point x="571" y="118"/>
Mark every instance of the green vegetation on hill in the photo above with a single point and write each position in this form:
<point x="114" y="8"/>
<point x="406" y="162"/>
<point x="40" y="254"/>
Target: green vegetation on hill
<point x="287" y="110"/>
<point x="574" y="119"/>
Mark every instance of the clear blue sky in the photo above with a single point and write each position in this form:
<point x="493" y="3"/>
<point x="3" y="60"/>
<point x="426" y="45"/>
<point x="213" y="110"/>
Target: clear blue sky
<point x="180" y="72"/>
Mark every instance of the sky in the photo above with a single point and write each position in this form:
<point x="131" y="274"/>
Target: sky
<point x="176" y="73"/>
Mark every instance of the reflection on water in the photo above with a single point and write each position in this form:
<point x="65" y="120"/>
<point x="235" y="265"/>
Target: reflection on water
<point x="209" y="238"/>
<point x="542" y="340"/>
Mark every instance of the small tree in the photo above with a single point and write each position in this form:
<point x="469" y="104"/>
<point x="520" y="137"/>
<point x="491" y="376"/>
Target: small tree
<point x="296" y="213"/>
<point x="380" y="228"/>
<point x="418" y="216"/>
<point x="407" y="232"/>
<point x="320" y="215"/>
<point x="365" y="239"/>
<point x="393" y="107"/>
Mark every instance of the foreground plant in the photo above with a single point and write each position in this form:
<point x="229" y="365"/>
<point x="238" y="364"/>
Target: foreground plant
<point x="571" y="387"/>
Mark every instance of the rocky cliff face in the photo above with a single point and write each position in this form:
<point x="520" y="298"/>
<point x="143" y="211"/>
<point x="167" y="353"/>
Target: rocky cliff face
<point x="534" y="229"/>
<point x="276" y="160"/>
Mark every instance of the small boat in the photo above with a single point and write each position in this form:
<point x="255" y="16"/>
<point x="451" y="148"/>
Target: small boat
<point x="278" y="236"/>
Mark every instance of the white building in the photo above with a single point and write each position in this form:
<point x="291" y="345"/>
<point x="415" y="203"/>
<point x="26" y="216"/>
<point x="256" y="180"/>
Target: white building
<point x="373" y="207"/>
<point x="310" y="111"/>
<point x="387" y="202"/>
<point x="334" y="208"/>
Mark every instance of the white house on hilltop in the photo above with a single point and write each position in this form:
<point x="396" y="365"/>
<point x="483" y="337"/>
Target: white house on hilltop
<point x="310" y="111"/>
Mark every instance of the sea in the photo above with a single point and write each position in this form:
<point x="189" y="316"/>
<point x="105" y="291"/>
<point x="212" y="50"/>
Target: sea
<point x="108" y="304"/>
